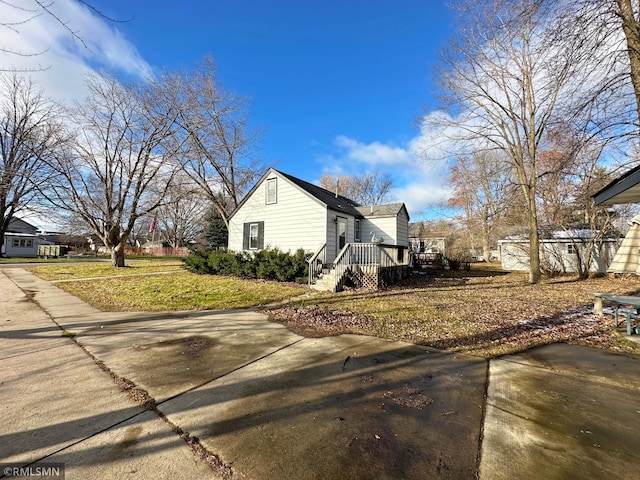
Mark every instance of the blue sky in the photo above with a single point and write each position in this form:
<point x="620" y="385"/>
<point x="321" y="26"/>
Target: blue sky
<point x="337" y="87"/>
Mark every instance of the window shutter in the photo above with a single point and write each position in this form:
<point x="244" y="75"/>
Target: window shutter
<point x="260" y="235"/>
<point x="245" y="237"/>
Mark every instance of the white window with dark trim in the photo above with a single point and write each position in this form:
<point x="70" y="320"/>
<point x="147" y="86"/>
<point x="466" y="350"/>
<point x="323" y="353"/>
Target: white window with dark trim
<point x="23" y="242"/>
<point x="356" y="227"/>
<point x="253" y="236"/>
<point x="272" y="191"/>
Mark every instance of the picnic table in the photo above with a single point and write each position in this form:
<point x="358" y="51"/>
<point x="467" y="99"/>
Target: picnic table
<point x="633" y="304"/>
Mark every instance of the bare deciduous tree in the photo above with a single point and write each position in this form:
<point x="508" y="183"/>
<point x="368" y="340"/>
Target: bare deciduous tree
<point x="366" y="189"/>
<point x="123" y="146"/>
<point x="512" y="73"/>
<point x="181" y="215"/>
<point x="30" y="134"/>
<point x="219" y="145"/>
<point x="482" y="188"/>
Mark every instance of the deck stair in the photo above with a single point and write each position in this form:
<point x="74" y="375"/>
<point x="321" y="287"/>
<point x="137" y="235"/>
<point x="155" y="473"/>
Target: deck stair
<point x="326" y="282"/>
<point x="365" y="265"/>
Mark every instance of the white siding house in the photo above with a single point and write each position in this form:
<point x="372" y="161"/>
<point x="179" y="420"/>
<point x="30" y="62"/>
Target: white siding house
<point x="287" y="213"/>
<point x="21" y="240"/>
<point x="557" y="254"/>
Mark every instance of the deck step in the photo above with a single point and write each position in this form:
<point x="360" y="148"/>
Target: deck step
<point x="326" y="282"/>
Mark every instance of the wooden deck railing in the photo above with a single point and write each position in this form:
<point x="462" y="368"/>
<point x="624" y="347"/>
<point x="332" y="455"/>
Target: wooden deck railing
<point x="363" y="255"/>
<point x="316" y="263"/>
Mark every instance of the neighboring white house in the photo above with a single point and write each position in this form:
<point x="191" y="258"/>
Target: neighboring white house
<point x="424" y="240"/>
<point x="287" y="213"/>
<point x="22" y="240"/>
<point x="558" y="254"/>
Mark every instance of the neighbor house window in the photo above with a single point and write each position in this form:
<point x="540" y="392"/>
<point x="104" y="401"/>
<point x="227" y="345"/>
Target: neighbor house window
<point x="22" y="242"/>
<point x="357" y="230"/>
<point x="571" y="248"/>
<point x="272" y="190"/>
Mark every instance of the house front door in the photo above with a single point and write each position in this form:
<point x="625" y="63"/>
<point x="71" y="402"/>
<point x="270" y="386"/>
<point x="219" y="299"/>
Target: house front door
<point x="341" y="233"/>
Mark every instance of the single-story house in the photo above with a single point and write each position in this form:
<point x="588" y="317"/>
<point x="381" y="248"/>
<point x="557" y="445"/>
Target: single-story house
<point x="284" y="212"/>
<point x="424" y="240"/>
<point x="560" y="253"/>
<point x="22" y="240"/>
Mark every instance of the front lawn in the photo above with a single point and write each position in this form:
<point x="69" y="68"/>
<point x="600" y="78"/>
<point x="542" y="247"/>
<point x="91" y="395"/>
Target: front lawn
<point x="160" y="286"/>
<point x="66" y="271"/>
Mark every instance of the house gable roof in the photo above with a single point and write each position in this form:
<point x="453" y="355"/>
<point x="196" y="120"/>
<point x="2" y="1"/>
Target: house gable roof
<point x="624" y="189"/>
<point x="418" y="230"/>
<point x="337" y="203"/>
<point x="330" y="199"/>
<point x="17" y="225"/>
<point x="388" y="210"/>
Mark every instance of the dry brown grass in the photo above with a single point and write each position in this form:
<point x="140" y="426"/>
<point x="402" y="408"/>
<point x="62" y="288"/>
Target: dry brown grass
<point x="482" y="312"/>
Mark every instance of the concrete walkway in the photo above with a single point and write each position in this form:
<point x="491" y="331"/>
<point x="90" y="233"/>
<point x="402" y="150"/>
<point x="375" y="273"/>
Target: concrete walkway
<point x="233" y="395"/>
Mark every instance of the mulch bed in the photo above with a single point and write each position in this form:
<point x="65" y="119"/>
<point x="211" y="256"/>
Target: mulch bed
<point x="577" y="326"/>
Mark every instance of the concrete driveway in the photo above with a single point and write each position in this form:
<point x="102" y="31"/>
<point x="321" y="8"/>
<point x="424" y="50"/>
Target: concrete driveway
<point x="233" y="395"/>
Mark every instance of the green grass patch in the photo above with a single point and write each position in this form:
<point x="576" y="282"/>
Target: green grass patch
<point x="14" y="260"/>
<point x="75" y="271"/>
<point x="68" y="334"/>
<point x="178" y="291"/>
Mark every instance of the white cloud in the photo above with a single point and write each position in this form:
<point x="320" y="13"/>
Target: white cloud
<point x="374" y="154"/>
<point x="420" y="184"/>
<point x="64" y="60"/>
<point x="424" y="198"/>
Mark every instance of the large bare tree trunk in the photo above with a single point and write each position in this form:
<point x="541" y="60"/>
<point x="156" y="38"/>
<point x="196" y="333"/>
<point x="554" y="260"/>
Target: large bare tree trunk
<point x="631" y="29"/>
<point x="486" y="245"/>
<point x="117" y="256"/>
<point x="534" y="242"/>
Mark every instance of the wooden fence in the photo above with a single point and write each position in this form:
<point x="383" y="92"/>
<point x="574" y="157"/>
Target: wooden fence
<point x="157" y="251"/>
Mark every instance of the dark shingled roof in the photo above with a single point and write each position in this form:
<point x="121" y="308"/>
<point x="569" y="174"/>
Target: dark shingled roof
<point x="337" y="203"/>
<point x="389" y="210"/>
<point x="624" y="189"/>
